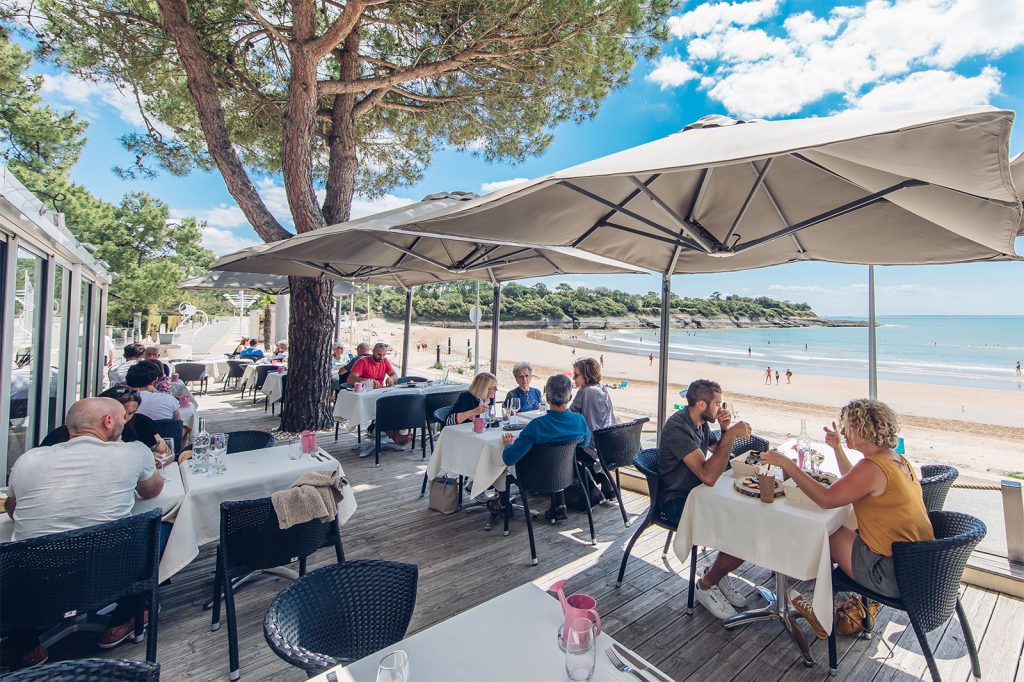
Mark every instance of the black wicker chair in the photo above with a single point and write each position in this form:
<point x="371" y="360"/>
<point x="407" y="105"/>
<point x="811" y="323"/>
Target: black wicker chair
<point x="193" y="371"/>
<point x="260" y="377"/>
<point x="434" y="403"/>
<point x="404" y="380"/>
<point x="548" y="468"/>
<point x="54" y="578"/>
<point x="338" y="614"/>
<point x="616" y="447"/>
<point x="236" y="368"/>
<point x="250" y="542"/>
<point x="928" y="574"/>
<point x="936" y="480"/>
<point x="396" y="413"/>
<point x="170" y="428"/>
<point x="240" y="441"/>
<point x="89" y="670"/>
<point x="646" y="462"/>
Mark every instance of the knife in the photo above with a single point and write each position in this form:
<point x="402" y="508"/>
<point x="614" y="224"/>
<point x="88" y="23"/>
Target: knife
<point x="635" y="661"/>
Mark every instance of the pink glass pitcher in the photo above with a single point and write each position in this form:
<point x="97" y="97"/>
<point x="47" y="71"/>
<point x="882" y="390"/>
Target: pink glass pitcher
<point x="576" y="606"/>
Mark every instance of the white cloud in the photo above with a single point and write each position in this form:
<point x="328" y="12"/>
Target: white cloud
<point x="672" y="72"/>
<point x="488" y="187"/>
<point x="225" y="241"/>
<point x="864" y="53"/>
<point x="68" y="91"/>
<point x="224" y="215"/>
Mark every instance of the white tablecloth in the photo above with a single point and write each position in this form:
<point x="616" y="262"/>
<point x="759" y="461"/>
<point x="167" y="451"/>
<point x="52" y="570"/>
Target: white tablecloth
<point x="168" y="500"/>
<point x="273" y="386"/>
<point x="250" y="475"/>
<point x="216" y="368"/>
<point x="249" y="375"/>
<point x="190" y="421"/>
<point x="359" y="409"/>
<point x="780" y="536"/>
<point x="466" y="647"/>
<point x="460" y="451"/>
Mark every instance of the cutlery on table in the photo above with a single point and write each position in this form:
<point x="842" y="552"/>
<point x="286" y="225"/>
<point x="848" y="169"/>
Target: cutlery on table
<point x="623" y="666"/>
<point x="637" y="663"/>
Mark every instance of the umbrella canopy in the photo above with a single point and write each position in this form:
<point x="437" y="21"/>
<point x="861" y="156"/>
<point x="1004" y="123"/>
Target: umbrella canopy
<point x="265" y="283"/>
<point x="724" y="195"/>
<point x="369" y="249"/>
<point x="1017" y="173"/>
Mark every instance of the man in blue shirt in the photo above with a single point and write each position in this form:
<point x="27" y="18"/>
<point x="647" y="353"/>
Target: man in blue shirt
<point x="558" y="425"/>
<point x="252" y="351"/>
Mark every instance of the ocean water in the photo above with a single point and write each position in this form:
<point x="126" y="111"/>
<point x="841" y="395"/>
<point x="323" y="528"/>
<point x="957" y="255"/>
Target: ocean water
<point x="976" y="351"/>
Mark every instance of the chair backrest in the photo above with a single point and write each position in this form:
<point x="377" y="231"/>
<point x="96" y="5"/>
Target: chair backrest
<point x="440" y="415"/>
<point x="618" y="444"/>
<point x="936" y="480"/>
<point x="251" y="539"/>
<point x="548" y="468"/>
<point x="48" y="577"/>
<point x="190" y="371"/>
<point x="928" y="573"/>
<point x="170" y="428"/>
<point x="341" y="613"/>
<point x="261" y="374"/>
<point x="646" y="462"/>
<point x="443" y="399"/>
<point x="396" y="412"/>
<point x="240" y="441"/>
<point x="405" y="380"/>
<point x="89" y="670"/>
<point x="236" y="368"/>
<point x="749" y="443"/>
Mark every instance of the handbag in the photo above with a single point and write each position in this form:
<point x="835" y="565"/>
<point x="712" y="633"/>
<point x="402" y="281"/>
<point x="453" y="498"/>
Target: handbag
<point x="444" y="495"/>
<point x="850" y="615"/>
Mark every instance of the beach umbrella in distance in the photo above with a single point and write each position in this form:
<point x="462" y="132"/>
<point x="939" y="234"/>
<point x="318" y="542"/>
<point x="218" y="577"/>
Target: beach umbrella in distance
<point x="368" y="250"/>
<point x="892" y="188"/>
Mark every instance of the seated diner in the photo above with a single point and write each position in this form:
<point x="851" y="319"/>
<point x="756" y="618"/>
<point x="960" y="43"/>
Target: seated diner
<point x="592" y="399"/>
<point x="375" y="368"/>
<point x="474" y="400"/>
<point x="529" y="398"/>
<point x="252" y="351"/>
<point x="155" y="404"/>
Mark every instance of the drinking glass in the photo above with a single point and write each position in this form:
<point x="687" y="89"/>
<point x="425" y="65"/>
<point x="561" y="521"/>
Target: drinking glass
<point x="200" y="455"/>
<point x="513" y="408"/>
<point x="218" y="450"/>
<point x="817" y="457"/>
<point x="394" y="667"/>
<point x="580" y="650"/>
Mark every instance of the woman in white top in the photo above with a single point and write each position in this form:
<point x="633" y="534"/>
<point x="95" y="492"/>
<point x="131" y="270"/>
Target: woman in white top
<point x="144" y="377"/>
<point x="592" y="399"/>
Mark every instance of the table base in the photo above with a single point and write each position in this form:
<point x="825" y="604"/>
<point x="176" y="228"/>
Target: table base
<point x="777" y="609"/>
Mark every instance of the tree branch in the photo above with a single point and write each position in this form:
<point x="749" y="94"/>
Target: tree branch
<point x="339" y="30"/>
<point x="265" y="23"/>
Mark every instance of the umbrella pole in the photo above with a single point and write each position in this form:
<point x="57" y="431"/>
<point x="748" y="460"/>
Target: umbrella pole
<point x="351" y="321"/>
<point x="337" y="320"/>
<point x="495" y="319"/>
<point x="476" y="342"/>
<point x="666" y="294"/>
<point x="872" y="348"/>
<point x="408" y="328"/>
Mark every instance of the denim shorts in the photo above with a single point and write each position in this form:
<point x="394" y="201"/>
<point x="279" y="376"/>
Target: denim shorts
<point x="874" y="571"/>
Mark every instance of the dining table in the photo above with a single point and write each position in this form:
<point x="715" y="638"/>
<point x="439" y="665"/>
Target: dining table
<point x="249" y="373"/>
<point x="352" y="409"/>
<point x="273" y="386"/>
<point x="790" y="539"/>
<point x="512" y="637"/>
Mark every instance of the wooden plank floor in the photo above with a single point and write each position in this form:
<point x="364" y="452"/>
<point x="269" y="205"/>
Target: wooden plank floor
<point x="462" y="565"/>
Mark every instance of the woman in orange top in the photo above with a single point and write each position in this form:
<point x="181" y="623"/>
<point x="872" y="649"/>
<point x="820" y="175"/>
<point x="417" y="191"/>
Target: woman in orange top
<point x="882" y="487"/>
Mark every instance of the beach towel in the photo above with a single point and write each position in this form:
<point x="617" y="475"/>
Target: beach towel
<point x="314" y="495"/>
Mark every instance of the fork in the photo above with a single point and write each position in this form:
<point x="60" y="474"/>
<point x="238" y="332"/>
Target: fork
<point x="623" y="666"/>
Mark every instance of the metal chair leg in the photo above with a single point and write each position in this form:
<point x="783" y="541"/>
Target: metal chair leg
<point x="693" y="578"/>
<point x="629" y="548"/>
<point x="668" y="542"/>
<point x="529" y="525"/>
<point x="972" y="649"/>
<point x="586" y="497"/>
<point x="618" y="496"/>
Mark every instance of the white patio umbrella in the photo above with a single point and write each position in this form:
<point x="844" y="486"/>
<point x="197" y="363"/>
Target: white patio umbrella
<point x="723" y="195"/>
<point x="264" y="283"/>
<point x="368" y="249"/>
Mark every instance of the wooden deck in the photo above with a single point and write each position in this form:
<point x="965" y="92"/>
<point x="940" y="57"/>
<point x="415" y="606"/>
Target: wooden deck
<point x="462" y="565"/>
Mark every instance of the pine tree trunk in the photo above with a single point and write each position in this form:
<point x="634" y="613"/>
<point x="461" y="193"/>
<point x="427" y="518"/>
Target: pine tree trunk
<point x="310" y="329"/>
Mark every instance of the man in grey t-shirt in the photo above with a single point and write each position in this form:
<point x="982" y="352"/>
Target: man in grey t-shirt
<point x="683" y="464"/>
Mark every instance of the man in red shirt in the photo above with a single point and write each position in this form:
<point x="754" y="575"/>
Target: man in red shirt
<point x="375" y="368"/>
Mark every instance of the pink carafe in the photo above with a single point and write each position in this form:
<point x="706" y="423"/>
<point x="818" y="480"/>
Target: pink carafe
<point x="576" y="606"/>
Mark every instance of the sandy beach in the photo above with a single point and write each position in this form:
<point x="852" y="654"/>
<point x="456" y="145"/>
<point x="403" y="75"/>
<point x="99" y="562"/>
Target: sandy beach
<point x="980" y="431"/>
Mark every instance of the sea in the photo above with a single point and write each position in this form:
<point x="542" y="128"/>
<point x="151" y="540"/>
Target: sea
<point x="974" y="351"/>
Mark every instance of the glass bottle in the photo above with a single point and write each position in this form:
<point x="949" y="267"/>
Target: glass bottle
<point x="803" y="444"/>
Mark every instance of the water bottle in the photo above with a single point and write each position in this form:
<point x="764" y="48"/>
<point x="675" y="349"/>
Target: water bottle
<point x="803" y="444"/>
<point x="543" y="406"/>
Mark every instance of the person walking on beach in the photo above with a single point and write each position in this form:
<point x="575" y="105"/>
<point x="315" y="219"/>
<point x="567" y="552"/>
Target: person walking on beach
<point x="650" y="359"/>
<point x="602" y="359"/>
<point x="1018" y="368"/>
<point x="768" y="376"/>
<point x="789" y="376"/>
<point x="748" y="351"/>
<point x="776" y="377"/>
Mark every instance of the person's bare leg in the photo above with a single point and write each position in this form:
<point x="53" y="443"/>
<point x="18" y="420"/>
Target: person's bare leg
<point x="722" y="565"/>
<point x="840" y="546"/>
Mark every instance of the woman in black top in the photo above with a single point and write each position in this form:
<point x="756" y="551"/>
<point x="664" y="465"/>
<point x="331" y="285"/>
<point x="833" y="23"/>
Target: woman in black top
<point x="139" y="427"/>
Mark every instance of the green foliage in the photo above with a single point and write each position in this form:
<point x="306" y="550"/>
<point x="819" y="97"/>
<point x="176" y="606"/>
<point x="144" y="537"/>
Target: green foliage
<point x="451" y="301"/>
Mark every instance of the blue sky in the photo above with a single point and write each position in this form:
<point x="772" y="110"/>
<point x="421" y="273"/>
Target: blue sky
<point x="748" y="58"/>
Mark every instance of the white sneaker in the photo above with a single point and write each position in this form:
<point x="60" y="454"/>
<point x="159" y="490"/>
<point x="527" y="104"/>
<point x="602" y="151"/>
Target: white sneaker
<point x="730" y="590"/>
<point x="714" y="601"/>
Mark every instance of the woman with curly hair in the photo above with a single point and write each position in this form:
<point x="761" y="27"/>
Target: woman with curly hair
<point x="883" y="488"/>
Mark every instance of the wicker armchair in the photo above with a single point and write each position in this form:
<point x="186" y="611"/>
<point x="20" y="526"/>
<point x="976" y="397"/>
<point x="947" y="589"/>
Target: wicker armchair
<point x="54" y="578"/>
<point x="236" y="368"/>
<point x="434" y="403"/>
<point x="338" y="614"/>
<point x="928" y="574"/>
<point x="396" y="413"/>
<point x="193" y="371"/>
<point x="251" y="541"/>
<point x="616" y="447"/>
<point x="89" y="670"/>
<point x="170" y="428"/>
<point x="936" y="479"/>
<point x="241" y="441"/>
<point x="548" y="468"/>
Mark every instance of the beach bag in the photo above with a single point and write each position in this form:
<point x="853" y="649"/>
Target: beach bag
<point x="850" y="615"/>
<point x="444" y="495"/>
<point x="574" y="496"/>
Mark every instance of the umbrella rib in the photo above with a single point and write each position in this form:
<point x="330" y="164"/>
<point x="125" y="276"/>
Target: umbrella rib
<point x="550" y="262"/>
<point x="778" y="210"/>
<point x="688" y="229"/>
<point x="482" y="256"/>
<point x="828" y="215"/>
<point x="426" y="259"/>
<point x="758" y="182"/>
<point x="500" y="259"/>
<point x="620" y="209"/>
<point x="675" y="240"/>
<point x="601" y="221"/>
<point x="698" y="199"/>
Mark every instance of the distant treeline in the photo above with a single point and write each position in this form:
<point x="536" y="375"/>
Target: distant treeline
<point x="452" y="301"/>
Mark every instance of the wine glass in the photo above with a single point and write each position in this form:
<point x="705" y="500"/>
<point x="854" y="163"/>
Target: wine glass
<point x="580" y="649"/>
<point x="394" y="667"/>
<point x="513" y="408"/>
<point x="817" y="457"/>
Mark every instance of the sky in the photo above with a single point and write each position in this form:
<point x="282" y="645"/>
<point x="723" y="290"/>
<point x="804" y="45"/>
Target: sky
<point x="765" y="59"/>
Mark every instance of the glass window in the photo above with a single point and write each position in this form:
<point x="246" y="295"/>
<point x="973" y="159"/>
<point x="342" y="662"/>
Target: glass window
<point x="57" y="353"/>
<point x="28" y="309"/>
<point x="84" y="351"/>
